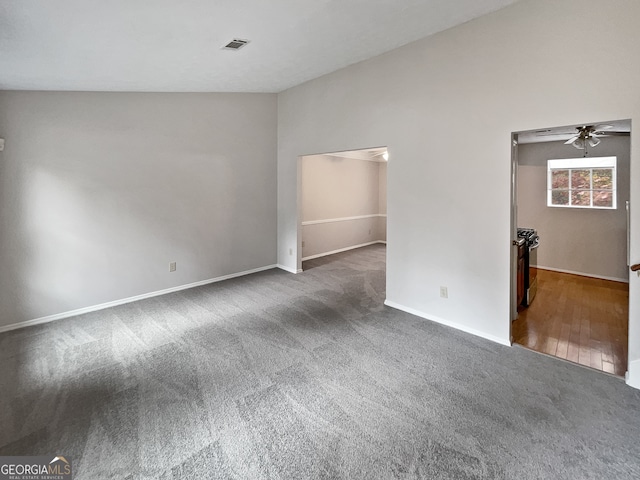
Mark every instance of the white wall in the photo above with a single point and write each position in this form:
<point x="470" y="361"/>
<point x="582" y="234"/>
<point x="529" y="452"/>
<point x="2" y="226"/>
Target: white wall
<point x="100" y="191"/>
<point x="446" y="107"/>
<point x="335" y="189"/>
<point x="590" y="242"/>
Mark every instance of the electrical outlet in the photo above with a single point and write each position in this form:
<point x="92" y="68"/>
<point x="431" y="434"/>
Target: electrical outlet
<point x="291" y="251"/>
<point x="172" y="267"/>
<point x="444" y="292"/>
<point x="302" y="243"/>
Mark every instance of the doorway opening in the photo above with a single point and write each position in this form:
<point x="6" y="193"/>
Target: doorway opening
<point x="342" y="202"/>
<point x="570" y="249"/>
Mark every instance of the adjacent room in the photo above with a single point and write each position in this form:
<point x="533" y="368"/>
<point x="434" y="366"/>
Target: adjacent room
<point x="573" y="224"/>
<point x="275" y="240"/>
<point x="344" y="201"/>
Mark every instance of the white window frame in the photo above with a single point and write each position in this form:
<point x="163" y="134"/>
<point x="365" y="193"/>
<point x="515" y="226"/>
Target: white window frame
<point x="591" y="164"/>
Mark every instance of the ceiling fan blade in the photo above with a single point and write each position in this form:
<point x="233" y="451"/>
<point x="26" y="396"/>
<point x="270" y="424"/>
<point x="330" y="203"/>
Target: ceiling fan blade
<point x="612" y="134"/>
<point x="572" y="139"/>
<point x="539" y="134"/>
<point x="603" y="126"/>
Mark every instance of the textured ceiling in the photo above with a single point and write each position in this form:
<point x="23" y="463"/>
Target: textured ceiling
<point x="174" y="46"/>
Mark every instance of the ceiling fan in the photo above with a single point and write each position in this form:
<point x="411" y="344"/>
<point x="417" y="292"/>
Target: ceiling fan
<point x="589" y="135"/>
<point x="585" y="136"/>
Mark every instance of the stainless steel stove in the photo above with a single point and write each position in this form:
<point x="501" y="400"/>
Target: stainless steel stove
<point x="532" y="242"/>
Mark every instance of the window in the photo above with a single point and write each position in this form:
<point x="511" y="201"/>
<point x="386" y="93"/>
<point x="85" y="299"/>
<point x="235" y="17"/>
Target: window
<point x="582" y="183"/>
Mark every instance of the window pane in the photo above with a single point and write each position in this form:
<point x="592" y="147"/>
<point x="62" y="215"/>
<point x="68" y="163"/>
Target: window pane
<point x="559" y="197"/>
<point x="580" y="180"/>
<point x="603" y="179"/>
<point x="602" y="198"/>
<point x="560" y="179"/>
<point x="582" y="199"/>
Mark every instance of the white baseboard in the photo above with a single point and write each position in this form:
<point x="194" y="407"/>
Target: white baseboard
<point x="633" y="374"/>
<point x="102" y="306"/>
<point x="582" y="274"/>
<point x="340" y="250"/>
<point x="287" y="269"/>
<point x="442" y="321"/>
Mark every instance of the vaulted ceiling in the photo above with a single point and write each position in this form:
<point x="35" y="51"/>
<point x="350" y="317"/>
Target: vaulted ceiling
<point x="175" y="46"/>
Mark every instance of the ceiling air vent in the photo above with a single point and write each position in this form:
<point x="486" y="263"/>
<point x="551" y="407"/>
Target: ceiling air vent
<point x="235" y="44"/>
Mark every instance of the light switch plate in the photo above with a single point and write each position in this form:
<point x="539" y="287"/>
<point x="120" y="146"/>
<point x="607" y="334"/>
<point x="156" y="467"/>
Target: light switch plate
<point x="1" y="144"/>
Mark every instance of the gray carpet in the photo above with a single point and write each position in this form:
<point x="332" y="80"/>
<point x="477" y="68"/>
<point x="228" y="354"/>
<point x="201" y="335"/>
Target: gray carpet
<point x="282" y="376"/>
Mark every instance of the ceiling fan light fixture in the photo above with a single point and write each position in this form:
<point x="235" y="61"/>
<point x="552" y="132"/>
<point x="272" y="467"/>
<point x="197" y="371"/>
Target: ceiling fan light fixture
<point x="594" y="141"/>
<point x="579" y="143"/>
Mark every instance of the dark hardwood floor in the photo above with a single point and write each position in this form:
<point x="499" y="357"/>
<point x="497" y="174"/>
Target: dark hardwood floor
<point x="580" y="319"/>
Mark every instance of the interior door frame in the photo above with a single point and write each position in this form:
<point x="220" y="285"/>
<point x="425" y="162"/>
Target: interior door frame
<point x="513" y="310"/>
<point x="299" y="196"/>
<point x="513" y="297"/>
